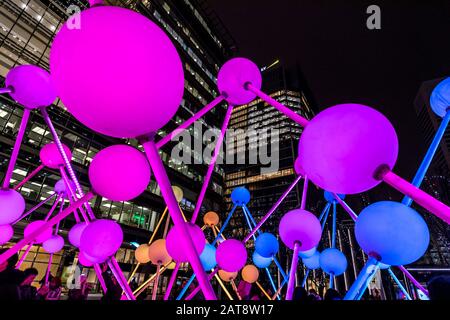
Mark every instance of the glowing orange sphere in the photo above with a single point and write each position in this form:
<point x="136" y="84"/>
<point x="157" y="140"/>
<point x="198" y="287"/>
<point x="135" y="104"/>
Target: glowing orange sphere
<point x="211" y="219"/>
<point x="157" y="252"/>
<point x="250" y="273"/>
<point x="141" y="254"/>
<point x="227" y="276"/>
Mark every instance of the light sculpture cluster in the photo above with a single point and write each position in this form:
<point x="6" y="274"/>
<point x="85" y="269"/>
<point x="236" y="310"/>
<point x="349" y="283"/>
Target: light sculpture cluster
<point x="345" y="149"/>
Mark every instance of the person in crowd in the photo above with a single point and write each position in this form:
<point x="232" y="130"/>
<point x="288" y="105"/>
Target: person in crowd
<point x="439" y="288"/>
<point x="331" y="295"/>
<point x="313" y="296"/>
<point x="113" y="289"/>
<point x="300" y="294"/>
<point x="82" y="292"/>
<point x="10" y="278"/>
<point x="54" y="290"/>
<point x="29" y="292"/>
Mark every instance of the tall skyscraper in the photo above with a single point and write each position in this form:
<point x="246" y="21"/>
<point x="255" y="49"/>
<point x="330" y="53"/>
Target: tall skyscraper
<point x="27" y="28"/>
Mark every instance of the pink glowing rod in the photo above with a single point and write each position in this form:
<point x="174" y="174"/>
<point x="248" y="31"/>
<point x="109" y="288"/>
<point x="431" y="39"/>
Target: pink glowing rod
<point x="5" y="90"/>
<point x="291" y="283"/>
<point x="273" y="209"/>
<point x="177" y="217"/>
<point x="29" y="177"/>
<point x="304" y="193"/>
<point x="40" y="204"/>
<point x="189" y="122"/>
<point x="422" y="198"/>
<point x="49" y="224"/>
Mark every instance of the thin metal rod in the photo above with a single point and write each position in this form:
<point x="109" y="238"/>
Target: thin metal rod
<point x="304" y="193"/>
<point x="325" y="218"/>
<point x="333" y="230"/>
<point x="225" y="224"/>
<point x="49" y="224"/>
<point x="147" y="282"/>
<point x="72" y="195"/>
<point x="99" y="274"/>
<point x="29" y="177"/>
<point x="5" y="90"/>
<point x="49" y="266"/>
<point x="196" y="290"/>
<point x="118" y="274"/>
<point x="177" y="217"/>
<point x="293" y="271"/>
<point x="263" y="291"/>
<point x="362" y="281"/>
<point x="422" y="198"/>
<point x="399" y="284"/>
<point x="40" y="204"/>
<point x="345" y="206"/>
<point x="413" y="280"/>
<point x="173" y="277"/>
<point x="273" y="209"/>
<point x="189" y="122"/>
<point x="425" y="165"/>
<point x="306" y="277"/>
<point x="282" y="108"/>
<point x="16" y="148"/>
<point x="212" y="163"/>
<point x="24" y="256"/>
<point x="233" y="285"/>
<point x="223" y="287"/>
<point x="156" y="282"/>
<point x="324" y="211"/>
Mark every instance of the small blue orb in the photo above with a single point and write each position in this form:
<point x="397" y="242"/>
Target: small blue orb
<point x="392" y="232"/>
<point x="307" y="254"/>
<point x="260" y="261"/>
<point x="329" y="197"/>
<point x="266" y="244"/>
<point x="333" y="261"/>
<point x="240" y="196"/>
<point x="312" y="262"/>
<point x="440" y="98"/>
<point x="208" y="257"/>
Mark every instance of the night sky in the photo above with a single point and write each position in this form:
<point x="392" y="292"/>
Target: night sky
<point x="343" y="61"/>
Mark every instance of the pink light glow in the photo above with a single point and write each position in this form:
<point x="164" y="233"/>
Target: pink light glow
<point x="83" y="260"/>
<point x="101" y="239"/>
<point x="119" y="173"/>
<point x="232" y="78"/>
<point x="33" y="226"/>
<point x="54" y="244"/>
<point x="51" y="157"/>
<point x="12" y="206"/>
<point x="76" y="232"/>
<point x="6" y="233"/>
<point x="231" y="255"/>
<point x="174" y="238"/>
<point x="343" y="146"/>
<point x="300" y="226"/>
<point x="119" y="74"/>
<point x="32" y="86"/>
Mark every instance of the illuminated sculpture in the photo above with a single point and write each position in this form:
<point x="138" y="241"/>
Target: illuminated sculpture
<point x="151" y="88"/>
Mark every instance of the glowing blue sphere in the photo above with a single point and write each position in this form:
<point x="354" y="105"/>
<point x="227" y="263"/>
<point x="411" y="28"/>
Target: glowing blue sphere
<point x="266" y="245"/>
<point x="312" y="262"/>
<point x="440" y="98"/>
<point x="240" y="196"/>
<point x="332" y="261"/>
<point x="329" y="197"/>
<point x="392" y="232"/>
<point x="260" y="261"/>
<point x="208" y="257"/>
<point x="307" y="254"/>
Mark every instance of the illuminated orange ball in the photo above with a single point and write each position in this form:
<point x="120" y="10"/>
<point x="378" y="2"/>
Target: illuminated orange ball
<point x="141" y="254"/>
<point x="227" y="276"/>
<point x="250" y="273"/>
<point x="157" y="252"/>
<point x="211" y="219"/>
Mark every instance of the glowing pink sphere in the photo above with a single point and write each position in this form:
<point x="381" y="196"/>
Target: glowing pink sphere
<point x="119" y="173"/>
<point x="343" y="146"/>
<point x="231" y="255"/>
<point x="300" y="226"/>
<point x="51" y="157"/>
<point x="101" y="239"/>
<point x="174" y="242"/>
<point x="298" y="168"/>
<point x="83" y="260"/>
<point x="61" y="188"/>
<point x="33" y="226"/>
<point x="119" y="74"/>
<point x="12" y="206"/>
<point x="233" y="77"/>
<point x="76" y="232"/>
<point x="32" y="86"/>
<point x="6" y="233"/>
<point x="54" y="244"/>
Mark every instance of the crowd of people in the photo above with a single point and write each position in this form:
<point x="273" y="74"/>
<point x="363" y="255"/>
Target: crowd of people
<point x="18" y="285"/>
